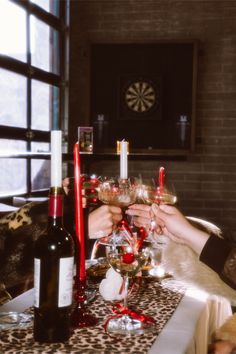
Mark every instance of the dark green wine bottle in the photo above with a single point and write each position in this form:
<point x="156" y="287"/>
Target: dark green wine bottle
<point x="53" y="276"/>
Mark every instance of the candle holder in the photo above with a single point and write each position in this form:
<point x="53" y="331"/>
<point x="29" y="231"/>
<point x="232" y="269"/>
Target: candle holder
<point x="80" y="316"/>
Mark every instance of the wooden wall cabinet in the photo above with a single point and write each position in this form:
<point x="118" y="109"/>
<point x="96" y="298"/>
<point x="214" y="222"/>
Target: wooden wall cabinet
<point x="144" y="93"/>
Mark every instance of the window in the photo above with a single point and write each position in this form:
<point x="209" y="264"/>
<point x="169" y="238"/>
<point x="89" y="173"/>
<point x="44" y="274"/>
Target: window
<point x="32" y="90"/>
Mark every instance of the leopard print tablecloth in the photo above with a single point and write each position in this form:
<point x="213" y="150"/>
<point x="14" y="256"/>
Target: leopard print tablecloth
<point x="152" y="298"/>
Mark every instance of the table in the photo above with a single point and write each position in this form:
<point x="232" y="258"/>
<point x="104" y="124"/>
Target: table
<point x="190" y="328"/>
<point x="185" y="318"/>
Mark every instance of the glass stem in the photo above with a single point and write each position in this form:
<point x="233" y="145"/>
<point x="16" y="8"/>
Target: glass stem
<point x="126" y="280"/>
<point x="124" y="215"/>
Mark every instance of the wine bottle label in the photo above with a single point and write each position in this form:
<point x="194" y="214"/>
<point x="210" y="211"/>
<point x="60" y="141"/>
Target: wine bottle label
<point x="65" y="281"/>
<point x="66" y="267"/>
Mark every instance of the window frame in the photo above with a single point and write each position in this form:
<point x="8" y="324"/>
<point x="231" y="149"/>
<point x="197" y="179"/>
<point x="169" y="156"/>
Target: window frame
<point x="30" y="72"/>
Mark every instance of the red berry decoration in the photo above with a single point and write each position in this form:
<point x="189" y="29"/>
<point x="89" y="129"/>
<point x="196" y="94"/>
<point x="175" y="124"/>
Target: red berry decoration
<point x="128" y="258"/>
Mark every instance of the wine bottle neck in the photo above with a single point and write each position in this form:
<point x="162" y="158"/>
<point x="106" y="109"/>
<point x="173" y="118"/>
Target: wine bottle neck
<point x="55" y="206"/>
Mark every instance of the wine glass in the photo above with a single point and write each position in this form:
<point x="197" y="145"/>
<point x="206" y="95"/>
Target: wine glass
<point x="8" y="317"/>
<point x="149" y="193"/>
<point x="126" y="259"/>
<point x="155" y="252"/>
<point x="118" y="192"/>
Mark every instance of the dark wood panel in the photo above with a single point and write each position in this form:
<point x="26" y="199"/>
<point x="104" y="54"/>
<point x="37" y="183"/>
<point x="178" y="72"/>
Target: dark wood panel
<point x="169" y="68"/>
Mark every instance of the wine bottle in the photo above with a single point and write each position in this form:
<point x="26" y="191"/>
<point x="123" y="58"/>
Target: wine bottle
<point x="53" y="276"/>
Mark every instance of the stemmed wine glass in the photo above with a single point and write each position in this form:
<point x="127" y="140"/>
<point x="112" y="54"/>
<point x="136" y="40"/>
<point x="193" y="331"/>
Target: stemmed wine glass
<point x="123" y="253"/>
<point x="10" y="318"/>
<point x="149" y="193"/>
<point x="155" y="252"/>
<point x="118" y="192"/>
<point x="127" y="259"/>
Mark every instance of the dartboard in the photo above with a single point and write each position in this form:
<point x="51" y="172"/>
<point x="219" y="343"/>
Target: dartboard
<point x="140" y="96"/>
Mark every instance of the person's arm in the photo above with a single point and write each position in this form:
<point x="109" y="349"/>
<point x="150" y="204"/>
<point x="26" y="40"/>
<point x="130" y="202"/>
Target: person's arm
<point x="217" y="253"/>
<point x="220" y="255"/>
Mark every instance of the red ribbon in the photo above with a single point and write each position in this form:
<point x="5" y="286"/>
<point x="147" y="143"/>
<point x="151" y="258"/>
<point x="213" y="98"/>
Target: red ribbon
<point x="142" y="236"/>
<point x="120" y="310"/>
<point x="125" y="224"/>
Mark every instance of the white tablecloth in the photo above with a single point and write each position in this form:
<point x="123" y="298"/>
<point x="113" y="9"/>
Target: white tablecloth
<point x="190" y="328"/>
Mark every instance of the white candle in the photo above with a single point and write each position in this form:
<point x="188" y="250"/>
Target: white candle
<point x="123" y="159"/>
<point x="56" y="159"/>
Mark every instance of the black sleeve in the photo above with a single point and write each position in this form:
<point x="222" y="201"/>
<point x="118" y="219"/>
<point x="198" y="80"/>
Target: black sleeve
<point x="215" y="253"/>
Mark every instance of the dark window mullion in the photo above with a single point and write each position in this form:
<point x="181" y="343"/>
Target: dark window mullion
<point x="45" y="76"/>
<point x="13" y="65"/>
<point x="46" y="17"/>
<point x="29" y="101"/>
<point x="21" y="133"/>
<point x="18" y="67"/>
<point x="40" y="13"/>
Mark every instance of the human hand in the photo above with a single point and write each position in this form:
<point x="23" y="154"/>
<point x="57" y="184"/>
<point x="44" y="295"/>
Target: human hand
<point x="172" y="221"/>
<point x="102" y="220"/>
<point x="143" y="215"/>
<point x="175" y="225"/>
<point x="140" y="214"/>
<point x="221" y="347"/>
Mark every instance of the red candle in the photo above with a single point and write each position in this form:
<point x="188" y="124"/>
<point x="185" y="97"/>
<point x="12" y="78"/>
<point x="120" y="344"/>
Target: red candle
<point x="79" y="222"/>
<point x="161" y="177"/>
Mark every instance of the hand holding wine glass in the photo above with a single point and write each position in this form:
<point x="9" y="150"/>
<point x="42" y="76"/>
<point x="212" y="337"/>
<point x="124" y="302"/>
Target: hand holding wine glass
<point x="118" y="192"/>
<point x="149" y="193"/>
<point x="102" y="220"/>
<point x="178" y="228"/>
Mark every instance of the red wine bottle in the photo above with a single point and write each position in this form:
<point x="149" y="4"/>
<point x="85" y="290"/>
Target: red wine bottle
<point x="53" y="276"/>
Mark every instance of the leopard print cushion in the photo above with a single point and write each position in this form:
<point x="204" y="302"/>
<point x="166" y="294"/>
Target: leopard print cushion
<point x="18" y="231"/>
<point x="152" y="298"/>
<point x="17" y="218"/>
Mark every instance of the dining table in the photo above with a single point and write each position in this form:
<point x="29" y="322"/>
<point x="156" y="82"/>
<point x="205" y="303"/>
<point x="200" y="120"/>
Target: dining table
<point x="185" y="318"/>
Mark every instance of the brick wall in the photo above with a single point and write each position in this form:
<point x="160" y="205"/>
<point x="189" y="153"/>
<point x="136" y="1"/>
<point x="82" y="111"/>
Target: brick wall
<point x="206" y="181"/>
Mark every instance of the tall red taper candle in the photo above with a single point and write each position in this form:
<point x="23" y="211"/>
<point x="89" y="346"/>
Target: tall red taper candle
<point x="79" y="220"/>
<point x="161" y="177"/>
